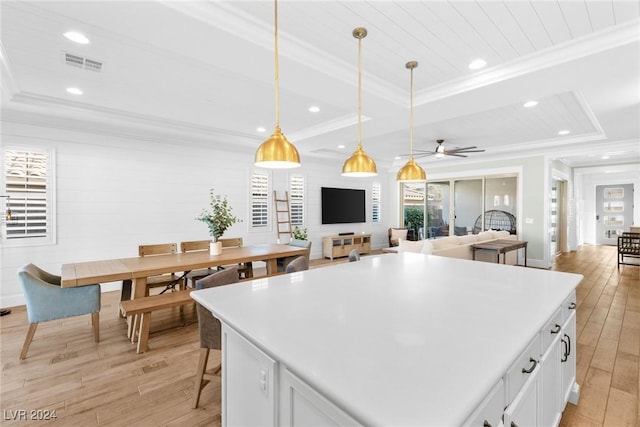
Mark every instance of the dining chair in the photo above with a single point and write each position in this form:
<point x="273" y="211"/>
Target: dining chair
<point x="196" y="246"/>
<point x="354" y="255"/>
<point x="283" y="262"/>
<point x="245" y="269"/>
<point x="298" y="264"/>
<point x="169" y="281"/>
<point x="210" y="329"/>
<point x="47" y="300"/>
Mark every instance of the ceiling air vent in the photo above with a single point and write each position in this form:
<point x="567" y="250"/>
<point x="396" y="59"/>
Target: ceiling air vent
<point x="81" y="62"/>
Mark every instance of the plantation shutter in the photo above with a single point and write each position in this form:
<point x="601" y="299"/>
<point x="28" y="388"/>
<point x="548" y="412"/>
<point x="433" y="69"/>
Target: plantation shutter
<point x="259" y="200"/>
<point x="26" y="184"/>
<point x="296" y="202"/>
<point x="375" y="202"/>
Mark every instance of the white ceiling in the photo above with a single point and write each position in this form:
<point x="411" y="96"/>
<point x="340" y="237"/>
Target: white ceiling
<point x="203" y="72"/>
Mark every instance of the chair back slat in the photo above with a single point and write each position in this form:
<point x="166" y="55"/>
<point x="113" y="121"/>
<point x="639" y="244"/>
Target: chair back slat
<point x="232" y="242"/>
<point x="160" y="249"/>
<point x="194" y="245"/>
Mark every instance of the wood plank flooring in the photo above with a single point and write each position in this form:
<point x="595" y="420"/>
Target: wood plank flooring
<point x="108" y="384"/>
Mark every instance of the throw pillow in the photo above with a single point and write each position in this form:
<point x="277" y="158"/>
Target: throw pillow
<point x="409" y="246"/>
<point x="397" y="234"/>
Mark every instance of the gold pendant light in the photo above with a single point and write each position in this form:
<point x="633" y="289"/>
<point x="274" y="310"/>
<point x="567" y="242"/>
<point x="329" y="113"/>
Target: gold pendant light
<point x="359" y="164"/>
<point x="277" y="152"/>
<point x="411" y="172"/>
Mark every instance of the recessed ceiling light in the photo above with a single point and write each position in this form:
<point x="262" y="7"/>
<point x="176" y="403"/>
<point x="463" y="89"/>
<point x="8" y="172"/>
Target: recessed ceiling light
<point x="261" y="129"/>
<point x="314" y="109"/>
<point x="341" y="146"/>
<point x="605" y="157"/>
<point x="74" y="91"/>
<point x="476" y="64"/>
<point x="76" y="37"/>
<point x="564" y="132"/>
<point x="530" y="104"/>
<point x="397" y="158"/>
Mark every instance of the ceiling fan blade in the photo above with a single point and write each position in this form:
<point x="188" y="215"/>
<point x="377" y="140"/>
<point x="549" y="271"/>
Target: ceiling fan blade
<point x="469" y="151"/>
<point x="448" y="153"/>
<point x="462" y="148"/>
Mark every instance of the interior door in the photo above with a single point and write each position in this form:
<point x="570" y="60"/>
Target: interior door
<point x="614" y="212"/>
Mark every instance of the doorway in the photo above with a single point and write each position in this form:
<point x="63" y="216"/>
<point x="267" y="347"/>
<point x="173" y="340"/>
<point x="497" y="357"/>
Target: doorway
<point x="614" y="212"/>
<point x="558" y="217"/>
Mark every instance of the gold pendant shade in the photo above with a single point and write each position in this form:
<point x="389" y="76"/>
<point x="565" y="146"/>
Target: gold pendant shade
<point x="359" y="165"/>
<point x="277" y="152"/>
<point x="411" y="171"/>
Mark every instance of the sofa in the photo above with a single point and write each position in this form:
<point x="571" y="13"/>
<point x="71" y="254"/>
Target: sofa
<point x="460" y="246"/>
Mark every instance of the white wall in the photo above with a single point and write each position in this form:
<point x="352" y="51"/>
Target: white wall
<point x="114" y="193"/>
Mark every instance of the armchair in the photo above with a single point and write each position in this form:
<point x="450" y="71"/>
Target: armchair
<point x="46" y="300"/>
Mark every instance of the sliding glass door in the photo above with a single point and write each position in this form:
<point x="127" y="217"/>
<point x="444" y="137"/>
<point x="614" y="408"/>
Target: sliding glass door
<point x="468" y="205"/>
<point x="413" y="209"/>
<point x="438" y="202"/>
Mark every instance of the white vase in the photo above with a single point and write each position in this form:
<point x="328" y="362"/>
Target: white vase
<point x="215" y="248"/>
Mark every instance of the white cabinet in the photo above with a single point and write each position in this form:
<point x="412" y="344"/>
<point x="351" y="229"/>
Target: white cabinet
<point x="551" y="386"/>
<point x="570" y="389"/>
<point x="249" y="399"/>
<point x="301" y="405"/>
<point x="489" y="413"/>
<point x="524" y="411"/>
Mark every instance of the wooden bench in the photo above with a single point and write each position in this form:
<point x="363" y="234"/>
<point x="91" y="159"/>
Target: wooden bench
<point x="140" y="310"/>
<point x="628" y="245"/>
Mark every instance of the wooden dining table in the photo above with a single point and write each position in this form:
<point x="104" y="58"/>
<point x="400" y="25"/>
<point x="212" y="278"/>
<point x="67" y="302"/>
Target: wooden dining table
<point x="137" y="269"/>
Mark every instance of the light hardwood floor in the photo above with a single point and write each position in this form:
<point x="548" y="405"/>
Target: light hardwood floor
<point x="90" y="384"/>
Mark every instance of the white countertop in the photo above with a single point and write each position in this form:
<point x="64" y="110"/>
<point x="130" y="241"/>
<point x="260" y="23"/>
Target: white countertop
<point x="405" y="339"/>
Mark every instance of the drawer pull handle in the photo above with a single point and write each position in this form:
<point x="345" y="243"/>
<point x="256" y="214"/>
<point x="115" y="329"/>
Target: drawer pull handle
<point x="486" y="424"/>
<point x="565" y="355"/>
<point x="556" y="329"/>
<point x="534" y="363"/>
<point x="572" y="306"/>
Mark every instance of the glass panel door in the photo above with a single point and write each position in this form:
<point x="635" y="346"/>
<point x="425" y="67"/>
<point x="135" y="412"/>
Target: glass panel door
<point x="468" y="203"/>
<point x="614" y="212"/>
<point x="413" y="208"/>
<point x="438" y="200"/>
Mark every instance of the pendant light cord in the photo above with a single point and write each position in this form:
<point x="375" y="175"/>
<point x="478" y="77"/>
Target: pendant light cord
<point x="360" y="92"/>
<point x="411" y="120"/>
<point x="277" y="76"/>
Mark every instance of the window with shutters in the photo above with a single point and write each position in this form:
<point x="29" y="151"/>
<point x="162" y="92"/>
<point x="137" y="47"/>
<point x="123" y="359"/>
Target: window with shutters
<point x="375" y="202"/>
<point x="259" y="200"/>
<point x="27" y="176"/>
<point x="296" y="199"/>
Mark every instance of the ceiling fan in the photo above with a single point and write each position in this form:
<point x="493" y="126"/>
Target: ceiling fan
<point x="440" y="151"/>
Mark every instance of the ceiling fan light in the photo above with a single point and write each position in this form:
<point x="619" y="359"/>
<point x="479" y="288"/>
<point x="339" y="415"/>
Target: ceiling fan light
<point x="359" y="165"/>
<point x="277" y="152"/>
<point x="411" y="172"/>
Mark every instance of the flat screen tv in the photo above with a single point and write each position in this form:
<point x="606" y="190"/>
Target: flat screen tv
<point x="342" y="205"/>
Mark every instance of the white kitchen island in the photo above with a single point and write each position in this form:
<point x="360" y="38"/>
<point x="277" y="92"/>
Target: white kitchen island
<point x="398" y="340"/>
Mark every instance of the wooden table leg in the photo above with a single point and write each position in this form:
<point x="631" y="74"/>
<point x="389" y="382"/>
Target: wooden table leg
<point x="272" y="266"/>
<point x="138" y="290"/>
<point x="143" y="335"/>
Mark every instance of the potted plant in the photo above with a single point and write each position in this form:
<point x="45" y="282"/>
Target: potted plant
<point x="299" y="234"/>
<point x="218" y="219"/>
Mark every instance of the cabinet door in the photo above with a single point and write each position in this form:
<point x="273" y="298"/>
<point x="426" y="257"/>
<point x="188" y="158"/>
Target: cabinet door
<point x="550" y="395"/>
<point x="489" y="413"/>
<point x="301" y="405"/>
<point x="524" y="410"/>
<point x="248" y="383"/>
<point x="568" y="347"/>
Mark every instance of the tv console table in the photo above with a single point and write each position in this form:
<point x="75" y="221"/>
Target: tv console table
<point x="340" y="245"/>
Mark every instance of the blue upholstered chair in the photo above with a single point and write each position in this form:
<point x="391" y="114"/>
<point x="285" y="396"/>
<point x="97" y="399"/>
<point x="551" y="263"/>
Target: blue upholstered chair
<point x="354" y="255"/>
<point x="46" y="300"/>
<point x="210" y="328"/>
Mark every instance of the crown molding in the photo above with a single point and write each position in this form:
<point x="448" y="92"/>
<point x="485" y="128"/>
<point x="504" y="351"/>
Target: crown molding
<point x="590" y="44"/>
